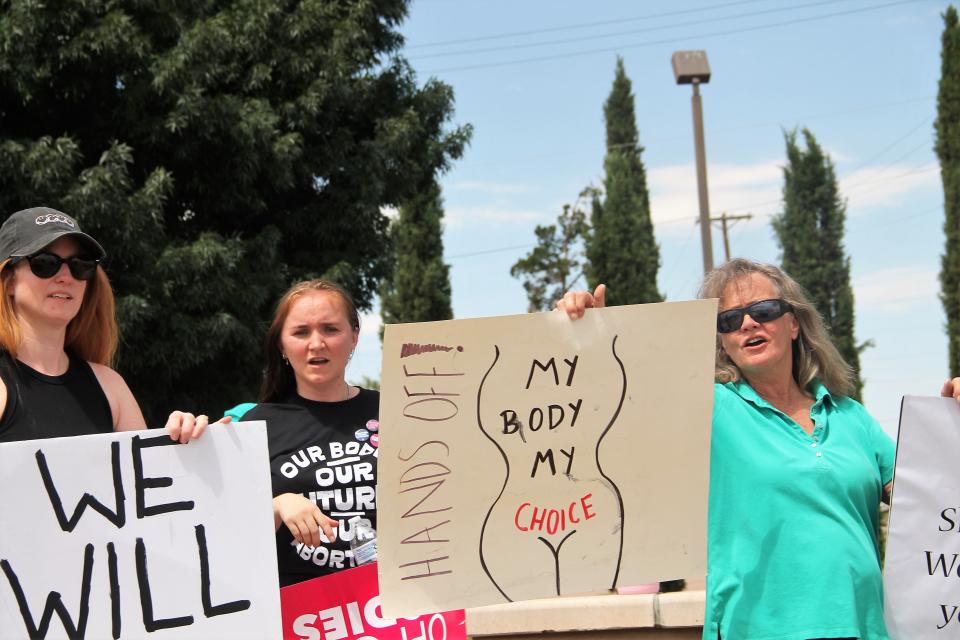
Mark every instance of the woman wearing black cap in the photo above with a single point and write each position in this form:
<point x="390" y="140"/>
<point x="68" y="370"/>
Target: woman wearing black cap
<point x="58" y="333"/>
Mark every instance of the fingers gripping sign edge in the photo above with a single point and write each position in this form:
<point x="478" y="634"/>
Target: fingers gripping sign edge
<point x="575" y="303"/>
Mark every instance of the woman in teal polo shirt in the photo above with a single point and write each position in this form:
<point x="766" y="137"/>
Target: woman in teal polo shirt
<point x="797" y="469"/>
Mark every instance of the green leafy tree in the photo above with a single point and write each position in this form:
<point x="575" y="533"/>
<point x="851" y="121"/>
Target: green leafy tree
<point x="219" y="151"/>
<point x="810" y="232"/>
<point x="621" y="248"/>
<point x="419" y="290"/>
<point x="556" y="263"/>
<point x="948" y="151"/>
<point x="369" y="383"/>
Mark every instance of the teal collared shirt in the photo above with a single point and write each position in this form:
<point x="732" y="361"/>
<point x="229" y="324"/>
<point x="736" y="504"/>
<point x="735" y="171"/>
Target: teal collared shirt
<point x="794" y="519"/>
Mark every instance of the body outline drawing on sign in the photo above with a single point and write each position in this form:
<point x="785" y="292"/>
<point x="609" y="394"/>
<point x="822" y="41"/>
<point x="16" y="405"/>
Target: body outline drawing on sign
<point x="539" y="513"/>
<point x="596" y="453"/>
<point x="506" y="479"/>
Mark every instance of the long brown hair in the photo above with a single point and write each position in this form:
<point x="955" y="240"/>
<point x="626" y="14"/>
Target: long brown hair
<point x="278" y="379"/>
<point x="91" y="334"/>
<point x="814" y="354"/>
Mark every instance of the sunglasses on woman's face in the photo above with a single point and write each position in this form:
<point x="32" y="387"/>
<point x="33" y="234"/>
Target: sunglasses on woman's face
<point x="762" y="311"/>
<point x="45" y="265"/>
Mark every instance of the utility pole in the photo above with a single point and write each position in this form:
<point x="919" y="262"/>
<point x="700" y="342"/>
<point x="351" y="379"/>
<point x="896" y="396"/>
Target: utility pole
<point x="724" y="217"/>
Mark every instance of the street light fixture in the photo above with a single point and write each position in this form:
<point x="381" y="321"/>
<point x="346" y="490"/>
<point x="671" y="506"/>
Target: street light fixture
<point x="691" y="67"/>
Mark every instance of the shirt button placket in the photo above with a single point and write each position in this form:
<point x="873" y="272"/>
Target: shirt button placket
<point x="816" y="436"/>
<point x="817" y="430"/>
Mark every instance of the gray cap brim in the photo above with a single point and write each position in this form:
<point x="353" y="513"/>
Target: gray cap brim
<point x="89" y="245"/>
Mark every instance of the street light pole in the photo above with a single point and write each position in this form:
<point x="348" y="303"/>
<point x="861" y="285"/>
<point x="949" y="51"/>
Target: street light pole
<point x="691" y="67"/>
<point x="698" y="142"/>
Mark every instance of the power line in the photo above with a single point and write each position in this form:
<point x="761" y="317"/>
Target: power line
<point x="816" y="116"/>
<point x="689" y="219"/>
<point x="646" y="142"/>
<point x="487" y="251"/>
<point x="924" y="168"/>
<point x="601" y="36"/>
<point x="854" y="186"/>
<point x="920" y="169"/>
<point x="682" y="253"/>
<point x="900" y="219"/>
<point x="574" y="54"/>
<point x="581" y="25"/>
<point x="890" y="164"/>
<point x="889" y="146"/>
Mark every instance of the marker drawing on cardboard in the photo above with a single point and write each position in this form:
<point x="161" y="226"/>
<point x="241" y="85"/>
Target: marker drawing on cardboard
<point x="529" y="456"/>
<point x="131" y="535"/>
<point x="922" y="562"/>
<point x="570" y="509"/>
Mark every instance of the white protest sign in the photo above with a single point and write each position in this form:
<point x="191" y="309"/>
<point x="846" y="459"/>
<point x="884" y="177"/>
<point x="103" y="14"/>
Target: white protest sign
<point x="132" y="535"/>
<point x="922" y="565"/>
<point x="531" y="456"/>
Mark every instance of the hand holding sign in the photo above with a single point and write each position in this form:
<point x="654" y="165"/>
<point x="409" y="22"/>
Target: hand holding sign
<point x="183" y="426"/>
<point x="574" y="303"/>
<point x="951" y="389"/>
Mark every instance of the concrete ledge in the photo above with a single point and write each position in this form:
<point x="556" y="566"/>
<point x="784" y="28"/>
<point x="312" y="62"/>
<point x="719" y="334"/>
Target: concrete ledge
<point x="649" y="633"/>
<point x="667" y="616"/>
<point x="680" y="609"/>
<point x="575" y="613"/>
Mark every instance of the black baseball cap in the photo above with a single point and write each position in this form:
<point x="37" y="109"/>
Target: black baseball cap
<point x="28" y="231"/>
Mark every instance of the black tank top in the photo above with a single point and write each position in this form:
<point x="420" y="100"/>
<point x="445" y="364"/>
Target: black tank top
<point x="42" y="406"/>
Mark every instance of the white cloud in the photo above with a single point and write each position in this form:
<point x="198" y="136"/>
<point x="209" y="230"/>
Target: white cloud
<point x="370" y="324"/>
<point x="839" y="157"/>
<point x="368" y="354"/>
<point x="758" y="189"/>
<point x="391" y="212"/>
<point x="485" y="214"/>
<point x="896" y="289"/>
<point x="751" y="188"/>
<point x="889" y="185"/>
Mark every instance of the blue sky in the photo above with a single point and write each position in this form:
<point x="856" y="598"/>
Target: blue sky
<point x="531" y="77"/>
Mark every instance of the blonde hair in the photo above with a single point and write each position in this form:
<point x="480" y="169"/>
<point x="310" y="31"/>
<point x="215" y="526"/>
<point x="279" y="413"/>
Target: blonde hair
<point x="278" y="379"/>
<point x="814" y="354"/>
<point x="91" y="334"/>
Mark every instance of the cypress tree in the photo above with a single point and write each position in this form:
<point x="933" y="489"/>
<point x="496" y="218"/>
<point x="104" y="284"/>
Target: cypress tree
<point x="419" y="290"/>
<point x="810" y="233"/>
<point x="948" y="152"/>
<point x="219" y="151"/>
<point x="621" y="249"/>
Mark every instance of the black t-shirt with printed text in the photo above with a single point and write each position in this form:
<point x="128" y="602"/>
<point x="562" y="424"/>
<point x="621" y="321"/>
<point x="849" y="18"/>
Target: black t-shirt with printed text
<point x="326" y="451"/>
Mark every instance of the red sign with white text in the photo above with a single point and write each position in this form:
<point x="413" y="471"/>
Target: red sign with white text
<point x="346" y="606"/>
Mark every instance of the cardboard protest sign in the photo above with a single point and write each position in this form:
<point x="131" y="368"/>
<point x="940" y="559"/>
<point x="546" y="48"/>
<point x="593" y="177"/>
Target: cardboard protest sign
<point x="133" y="535"/>
<point x="529" y="456"/>
<point x="346" y="606"/>
<point x="922" y="563"/>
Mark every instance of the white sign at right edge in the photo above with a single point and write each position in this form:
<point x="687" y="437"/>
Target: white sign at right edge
<point x="922" y="567"/>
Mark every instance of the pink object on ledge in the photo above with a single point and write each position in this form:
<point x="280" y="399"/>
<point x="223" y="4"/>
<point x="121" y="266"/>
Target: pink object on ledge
<point x="652" y="587"/>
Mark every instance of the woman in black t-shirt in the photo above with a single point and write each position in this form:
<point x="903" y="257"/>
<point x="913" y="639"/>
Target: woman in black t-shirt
<point x="322" y="433"/>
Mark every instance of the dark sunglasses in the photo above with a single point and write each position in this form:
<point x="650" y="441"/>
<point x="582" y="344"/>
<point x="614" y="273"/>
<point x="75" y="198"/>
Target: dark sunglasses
<point x="762" y="311"/>
<point x="45" y="265"/>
